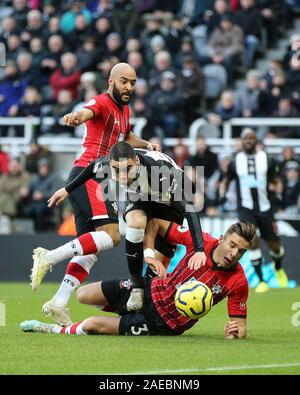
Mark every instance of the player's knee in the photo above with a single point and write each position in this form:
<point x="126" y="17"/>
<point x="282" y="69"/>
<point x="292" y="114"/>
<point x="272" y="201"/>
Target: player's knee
<point x="136" y="220"/>
<point x="82" y="295"/>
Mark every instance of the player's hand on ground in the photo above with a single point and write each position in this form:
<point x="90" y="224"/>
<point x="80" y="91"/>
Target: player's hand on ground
<point x="157" y="267"/>
<point x="154" y="147"/>
<point x="197" y="260"/>
<point x="231" y="330"/>
<point x="72" y="119"/>
<point x="58" y="197"/>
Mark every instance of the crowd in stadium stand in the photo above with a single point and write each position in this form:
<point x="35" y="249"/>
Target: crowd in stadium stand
<point x="187" y="55"/>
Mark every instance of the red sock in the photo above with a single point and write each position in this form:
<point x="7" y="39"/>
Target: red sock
<point x="88" y="244"/>
<point x="71" y="329"/>
<point x="77" y="271"/>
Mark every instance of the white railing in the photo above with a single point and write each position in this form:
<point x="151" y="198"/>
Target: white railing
<point x="225" y="145"/>
<point x="59" y="144"/>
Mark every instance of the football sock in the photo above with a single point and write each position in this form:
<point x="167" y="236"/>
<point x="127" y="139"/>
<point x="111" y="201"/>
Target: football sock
<point x="257" y="267"/>
<point x="88" y="243"/>
<point x="77" y="271"/>
<point x="74" y="329"/>
<point x="135" y="255"/>
<point x="257" y="259"/>
<point x="277" y="257"/>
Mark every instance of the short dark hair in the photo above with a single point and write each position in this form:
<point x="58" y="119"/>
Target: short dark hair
<point x="246" y="231"/>
<point x="120" y="151"/>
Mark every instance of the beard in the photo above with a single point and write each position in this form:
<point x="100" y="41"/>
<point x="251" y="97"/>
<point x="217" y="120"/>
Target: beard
<point x="119" y="97"/>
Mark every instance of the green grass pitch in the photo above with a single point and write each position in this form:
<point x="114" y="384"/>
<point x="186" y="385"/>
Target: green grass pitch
<point x="272" y="346"/>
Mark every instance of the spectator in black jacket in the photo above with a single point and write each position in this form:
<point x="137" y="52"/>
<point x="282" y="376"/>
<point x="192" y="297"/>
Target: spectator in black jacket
<point x="166" y="106"/>
<point x="250" y="20"/>
<point x="191" y="83"/>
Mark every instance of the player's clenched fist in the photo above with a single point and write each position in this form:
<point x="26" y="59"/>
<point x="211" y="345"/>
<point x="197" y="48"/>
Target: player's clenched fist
<point x="72" y="119"/>
<point x="231" y="330"/>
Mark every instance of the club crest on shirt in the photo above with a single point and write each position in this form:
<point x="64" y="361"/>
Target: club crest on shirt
<point x="216" y="289"/>
<point x="243" y="305"/>
<point x="182" y="229"/>
<point x="125" y="284"/>
<point x="115" y="207"/>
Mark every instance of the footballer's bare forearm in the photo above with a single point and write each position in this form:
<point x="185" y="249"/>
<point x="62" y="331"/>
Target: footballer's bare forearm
<point x="151" y="232"/>
<point x="135" y="141"/>
<point x="78" y="117"/>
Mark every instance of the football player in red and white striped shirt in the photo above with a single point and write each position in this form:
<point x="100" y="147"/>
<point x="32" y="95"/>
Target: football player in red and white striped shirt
<point x="222" y="273"/>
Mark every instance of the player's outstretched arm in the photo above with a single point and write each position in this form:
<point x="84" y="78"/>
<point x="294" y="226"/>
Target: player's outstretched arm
<point x="151" y="232"/>
<point x="137" y="142"/>
<point x="236" y="328"/>
<point x="78" y="117"/>
<point x="61" y="194"/>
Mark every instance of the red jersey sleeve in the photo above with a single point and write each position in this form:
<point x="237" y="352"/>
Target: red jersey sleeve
<point x="94" y="104"/>
<point x="237" y="299"/>
<point x="180" y="234"/>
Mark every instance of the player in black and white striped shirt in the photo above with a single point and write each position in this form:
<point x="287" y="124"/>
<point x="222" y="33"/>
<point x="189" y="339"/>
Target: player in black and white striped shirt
<point x="253" y="172"/>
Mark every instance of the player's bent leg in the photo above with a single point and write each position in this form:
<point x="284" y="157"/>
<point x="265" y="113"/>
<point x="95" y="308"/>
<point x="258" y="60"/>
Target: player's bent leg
<point x="91" y="294"/>
<point x="136" y="223"/>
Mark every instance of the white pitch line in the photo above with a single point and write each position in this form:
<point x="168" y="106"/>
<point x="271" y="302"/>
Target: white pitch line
<point x="212" y="369"/>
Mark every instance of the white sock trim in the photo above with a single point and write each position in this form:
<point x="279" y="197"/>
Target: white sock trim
<point x="277" y="254"/>
<point x="102" y="240"/>
<point x="135" y="235"/>
<point x="80" y="330"/>
<point x="255" y="254"/>
<point x="85" y="261"/>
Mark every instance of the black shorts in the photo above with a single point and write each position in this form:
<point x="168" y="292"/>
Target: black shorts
<point x="91" y="208"/>
<point x="265" y="222"/>
<point x="155" y="210"/>
<point x="146" y="322"/>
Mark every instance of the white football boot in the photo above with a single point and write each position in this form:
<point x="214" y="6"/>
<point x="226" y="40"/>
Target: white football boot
<point x="40" y="267"/>
<point x="59" y="314"/>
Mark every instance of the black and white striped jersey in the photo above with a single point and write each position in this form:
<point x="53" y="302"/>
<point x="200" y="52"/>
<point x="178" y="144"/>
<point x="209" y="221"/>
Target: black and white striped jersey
<point x="253" y="172"/>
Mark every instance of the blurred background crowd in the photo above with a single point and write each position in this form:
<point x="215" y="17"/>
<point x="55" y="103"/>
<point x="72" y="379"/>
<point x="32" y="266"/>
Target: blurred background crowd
<point x="188" y="55"/>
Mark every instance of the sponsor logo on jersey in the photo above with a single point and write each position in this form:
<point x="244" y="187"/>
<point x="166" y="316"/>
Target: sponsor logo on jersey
<point x="115" y="207"/>
<point x="129" y="206"/>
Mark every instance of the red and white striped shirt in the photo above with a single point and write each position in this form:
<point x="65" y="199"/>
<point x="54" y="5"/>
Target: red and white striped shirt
<point x="109" y="125"/>
<point x="223" y="283"/>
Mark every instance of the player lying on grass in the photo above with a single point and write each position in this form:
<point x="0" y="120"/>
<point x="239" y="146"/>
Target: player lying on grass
<point x="222" y="273"/>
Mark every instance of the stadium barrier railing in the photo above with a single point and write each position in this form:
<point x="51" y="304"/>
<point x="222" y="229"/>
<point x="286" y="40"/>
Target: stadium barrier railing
<point x="224" y="145"/>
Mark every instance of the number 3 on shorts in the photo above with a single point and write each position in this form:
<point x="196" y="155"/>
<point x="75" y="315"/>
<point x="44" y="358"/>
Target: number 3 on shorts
<point x="138" y="330"/>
